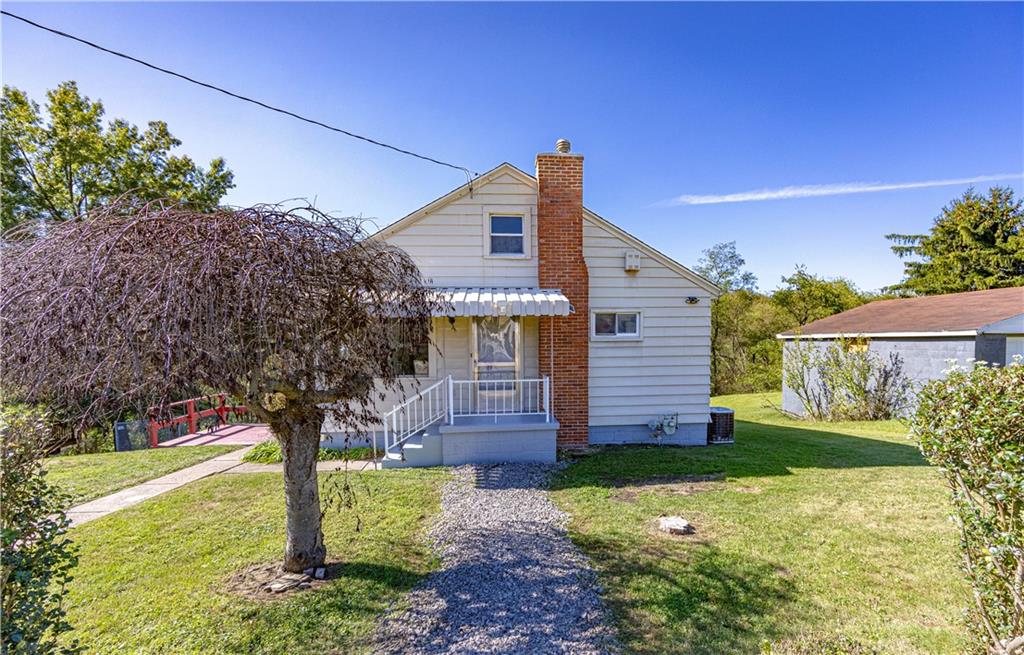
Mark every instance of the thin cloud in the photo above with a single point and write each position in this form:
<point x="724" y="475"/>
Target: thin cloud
<point x="815" y="190"/>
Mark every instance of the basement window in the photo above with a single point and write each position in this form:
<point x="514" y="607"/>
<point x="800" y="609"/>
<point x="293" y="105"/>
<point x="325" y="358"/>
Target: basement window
<point x="616" y="325"/>
<point x="506" y="234"/>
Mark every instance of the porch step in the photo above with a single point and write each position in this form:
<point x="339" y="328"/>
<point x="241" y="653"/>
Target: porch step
<point x="419" y="450"/>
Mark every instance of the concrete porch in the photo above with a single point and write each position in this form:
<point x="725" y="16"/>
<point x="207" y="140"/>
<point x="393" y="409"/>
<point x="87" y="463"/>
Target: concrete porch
<point x="477" y="440"/>
<point x="435" y="429"/>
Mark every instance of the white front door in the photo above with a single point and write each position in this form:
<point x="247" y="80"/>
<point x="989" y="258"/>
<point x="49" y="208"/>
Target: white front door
<point x="495" y="364"/>
<point x="495" y="348"/>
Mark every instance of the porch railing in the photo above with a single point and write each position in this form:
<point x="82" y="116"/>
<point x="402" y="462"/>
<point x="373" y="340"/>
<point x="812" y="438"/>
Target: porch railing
<point x="448" y="400"/>
<point x="496" y="398"/>
<point x="417" y="413"/>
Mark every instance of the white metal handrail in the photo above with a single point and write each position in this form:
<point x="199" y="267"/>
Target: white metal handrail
<point x="495" y="398"/>
<point x="449" y="399"/>
<point x="416" y="413"/>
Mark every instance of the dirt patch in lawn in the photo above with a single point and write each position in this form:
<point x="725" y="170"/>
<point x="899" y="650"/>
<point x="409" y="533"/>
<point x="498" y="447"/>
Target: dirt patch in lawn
<point x="257" y="582"/>
<point x="668" y="485"/>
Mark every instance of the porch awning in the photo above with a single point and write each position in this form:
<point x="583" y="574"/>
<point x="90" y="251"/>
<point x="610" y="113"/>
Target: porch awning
<point x="504" y="301"/>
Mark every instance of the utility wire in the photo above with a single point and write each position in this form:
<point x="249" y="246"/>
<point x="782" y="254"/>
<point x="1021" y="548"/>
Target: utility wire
<point x="469" y="174"/>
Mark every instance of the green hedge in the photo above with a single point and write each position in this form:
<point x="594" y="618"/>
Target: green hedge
<point x="971" y="425"/>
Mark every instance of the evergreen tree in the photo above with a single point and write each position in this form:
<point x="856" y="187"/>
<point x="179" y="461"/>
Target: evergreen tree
<point x="977" y="242"/>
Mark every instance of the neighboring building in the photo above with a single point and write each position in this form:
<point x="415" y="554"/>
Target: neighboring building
<point x="927" y="332"/>
<point x="561" y="324"/>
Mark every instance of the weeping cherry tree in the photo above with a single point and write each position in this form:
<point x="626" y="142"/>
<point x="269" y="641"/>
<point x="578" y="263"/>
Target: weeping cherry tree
<point x="138" y="305"/>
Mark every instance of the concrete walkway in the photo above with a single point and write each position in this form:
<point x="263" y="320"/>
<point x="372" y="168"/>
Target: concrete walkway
<point x="227" y="463"/>
<point x="94" y="509"/>
<point x="321" y="467"/>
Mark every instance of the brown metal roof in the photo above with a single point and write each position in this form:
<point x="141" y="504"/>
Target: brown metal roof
<point x="948" y="313"/>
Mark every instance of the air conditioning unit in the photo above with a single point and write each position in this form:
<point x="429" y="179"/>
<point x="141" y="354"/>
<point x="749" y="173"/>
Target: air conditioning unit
<point x="721" y="426"/>
<point x="632" y="263"/>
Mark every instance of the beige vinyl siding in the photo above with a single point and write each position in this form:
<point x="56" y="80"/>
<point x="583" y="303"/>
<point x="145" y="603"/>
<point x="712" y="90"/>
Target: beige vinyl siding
<point x="531" y="332"/>
<point x="668" y="371"/>
<point x="631" y="382"/>
<point x="451" y="355"/>
<point x="449" y="243"/>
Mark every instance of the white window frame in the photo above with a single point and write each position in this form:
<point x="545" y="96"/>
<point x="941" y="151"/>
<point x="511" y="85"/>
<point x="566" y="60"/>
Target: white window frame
<point x="617" y="337"/>
<point x="523" y="212"/>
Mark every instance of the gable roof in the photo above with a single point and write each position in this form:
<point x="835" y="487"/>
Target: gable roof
<point x="506" y="168"/>
<point x="954" y="314"/>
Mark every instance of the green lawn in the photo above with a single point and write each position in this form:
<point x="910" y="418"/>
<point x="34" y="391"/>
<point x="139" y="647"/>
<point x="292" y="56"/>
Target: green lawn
<point x="151" y="576"/>
<point x="90" y="476"/>
<point x="817" y="531"/>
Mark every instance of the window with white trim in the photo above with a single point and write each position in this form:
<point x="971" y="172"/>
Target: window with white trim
<point x="506" y="235"/>
<point x="616" y="325"/>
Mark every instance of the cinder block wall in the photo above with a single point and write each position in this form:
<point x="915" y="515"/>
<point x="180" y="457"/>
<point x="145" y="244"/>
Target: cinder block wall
<point x="924" y="359"/>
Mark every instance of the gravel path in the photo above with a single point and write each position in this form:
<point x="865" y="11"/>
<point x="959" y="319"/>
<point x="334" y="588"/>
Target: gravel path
<point x="511" y="580"/>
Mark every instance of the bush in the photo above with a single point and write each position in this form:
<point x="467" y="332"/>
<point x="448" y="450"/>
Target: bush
<point x="844" y="380"/>
<point x="269" y="452"/>
<point x="971" y="425"/>
<point x="36" y="556"/>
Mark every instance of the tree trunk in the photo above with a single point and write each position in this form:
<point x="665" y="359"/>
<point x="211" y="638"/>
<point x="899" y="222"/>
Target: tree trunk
<point x="300" y="444"/>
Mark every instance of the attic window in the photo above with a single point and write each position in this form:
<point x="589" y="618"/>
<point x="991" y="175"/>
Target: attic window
<point x="506" y="235"/>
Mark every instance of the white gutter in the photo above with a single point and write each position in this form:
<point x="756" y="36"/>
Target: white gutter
<point x="879" y="335"/>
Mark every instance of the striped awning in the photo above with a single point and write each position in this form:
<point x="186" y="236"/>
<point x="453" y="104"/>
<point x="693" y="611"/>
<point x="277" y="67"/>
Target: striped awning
<point x="504" y="301"/>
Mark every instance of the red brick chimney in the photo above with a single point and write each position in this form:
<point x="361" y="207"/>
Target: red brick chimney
<point x="564" y="340"/>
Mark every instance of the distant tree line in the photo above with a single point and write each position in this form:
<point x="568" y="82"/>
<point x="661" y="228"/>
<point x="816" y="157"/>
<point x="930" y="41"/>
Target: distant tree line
<point x="976" y="242"/>
<point x="745" y="355"/>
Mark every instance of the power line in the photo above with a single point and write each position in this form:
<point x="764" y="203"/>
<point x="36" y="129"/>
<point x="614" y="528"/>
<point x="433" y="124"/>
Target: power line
<point x="469" y="174"/>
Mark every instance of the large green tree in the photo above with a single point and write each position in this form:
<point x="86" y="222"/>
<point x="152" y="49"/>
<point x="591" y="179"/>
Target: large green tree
<point x="806" y="297"/>
<point x="745" y="355"/>
<point x="977" y="242"/>
<point x="61" y="162"/>
<point x="723" y="265"/>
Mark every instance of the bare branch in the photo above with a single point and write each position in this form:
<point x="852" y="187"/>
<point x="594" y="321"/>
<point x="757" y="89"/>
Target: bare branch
<point x="143" y="304"/>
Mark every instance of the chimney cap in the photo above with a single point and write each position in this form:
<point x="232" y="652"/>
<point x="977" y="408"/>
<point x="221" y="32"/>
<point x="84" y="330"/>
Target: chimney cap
<point x="563" y="145"/>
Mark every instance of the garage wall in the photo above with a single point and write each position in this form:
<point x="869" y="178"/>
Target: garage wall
<point x="924" y="359"/>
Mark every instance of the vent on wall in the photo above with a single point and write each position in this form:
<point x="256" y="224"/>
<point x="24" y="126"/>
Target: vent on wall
<point x="632" y="262"/>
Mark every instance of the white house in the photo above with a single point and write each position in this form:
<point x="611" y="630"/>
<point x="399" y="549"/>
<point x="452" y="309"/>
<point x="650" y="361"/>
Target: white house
<point x="564" y="330"/>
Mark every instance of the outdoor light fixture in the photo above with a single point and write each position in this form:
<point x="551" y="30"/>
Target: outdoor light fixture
<point x="692" y="300"/>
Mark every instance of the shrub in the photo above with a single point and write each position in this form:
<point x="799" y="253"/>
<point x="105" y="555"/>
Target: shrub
<point x="36" y="555"/>
<point x="971" y="425"/>
<point x="844" y="380"/>
<point x="269" y="452"/>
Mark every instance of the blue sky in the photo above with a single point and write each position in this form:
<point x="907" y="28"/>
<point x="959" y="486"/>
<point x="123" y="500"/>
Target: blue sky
<point x="665" y="100"/>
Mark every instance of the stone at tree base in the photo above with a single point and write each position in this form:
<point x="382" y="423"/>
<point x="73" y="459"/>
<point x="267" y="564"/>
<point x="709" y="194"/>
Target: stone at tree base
<point x="288" y="581"/>
<point x="320" y="573"/>
<point x="675" y="525"/>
